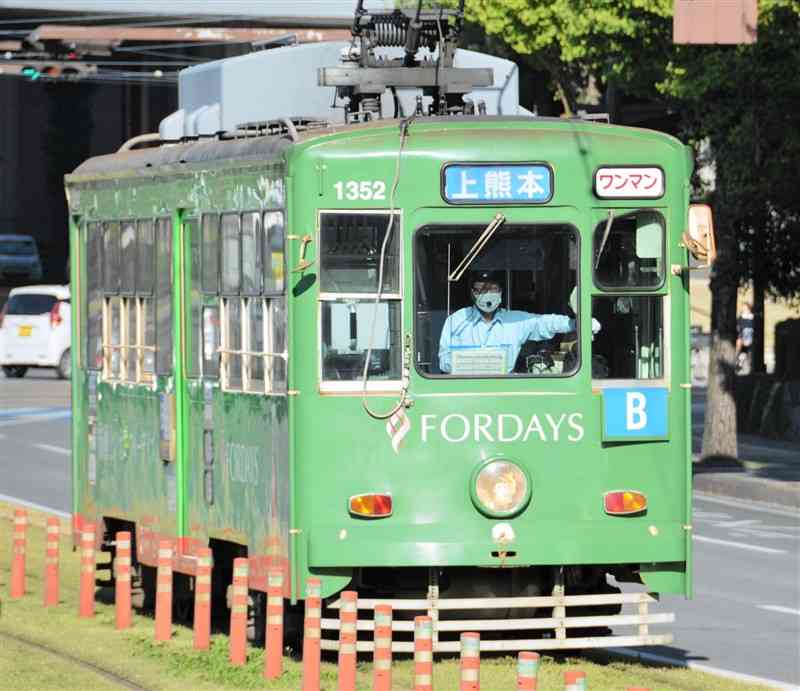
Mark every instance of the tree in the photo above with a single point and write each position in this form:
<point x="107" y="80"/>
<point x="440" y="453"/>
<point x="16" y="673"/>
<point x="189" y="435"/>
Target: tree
<point x="616" y="41"/>
<point x="741" y="100"/>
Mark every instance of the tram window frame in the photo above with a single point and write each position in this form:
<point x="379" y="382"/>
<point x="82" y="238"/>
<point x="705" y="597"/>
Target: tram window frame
<point x="129" y="331"/>
<point x="111" y="256"/>
<point x="192" y="226"/>
<point x="663" y="345"/>
<point x="570" y="230"/>
<point x="210" y="231"/>
<point x="145" y="266"/>
<point x="621" y="215"/>
<point x="163" y="301"/>
<point x="241" y="365"/>
<point x="393" y="300"/>
<point x="601" y="367"/>
<point x="128" y="256"/>
<point x="95" y="295"/>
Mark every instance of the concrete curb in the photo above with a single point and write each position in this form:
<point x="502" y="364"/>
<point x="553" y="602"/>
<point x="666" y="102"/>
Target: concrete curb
<point x="740" y="485"/>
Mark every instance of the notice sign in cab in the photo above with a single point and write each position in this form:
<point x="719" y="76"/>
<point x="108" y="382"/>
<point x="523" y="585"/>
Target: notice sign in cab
<point x="497" y="183"/>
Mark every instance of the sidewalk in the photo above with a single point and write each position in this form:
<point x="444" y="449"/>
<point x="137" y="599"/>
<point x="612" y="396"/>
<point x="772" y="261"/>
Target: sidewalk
<point x="769" y="469"/>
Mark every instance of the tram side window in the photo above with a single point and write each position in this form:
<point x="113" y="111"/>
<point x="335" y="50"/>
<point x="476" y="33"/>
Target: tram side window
<point x="629" y="251"/>
<point x="195" y="296"/>
<point x="210" y="354"/>
<point x="353" y="319"/>
<point x="129" y="316"/>
<point x="94" y="296"/>
<point x="164" y="295"/>
<point x="628" y="259"/>
<point x="252" y="310"/>
<point x="634" y="344"/>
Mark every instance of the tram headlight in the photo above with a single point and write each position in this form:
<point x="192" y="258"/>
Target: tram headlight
<point x="500" y="488"/>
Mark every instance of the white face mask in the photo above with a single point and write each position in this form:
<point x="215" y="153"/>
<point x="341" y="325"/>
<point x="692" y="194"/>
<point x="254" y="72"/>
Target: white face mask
<point x="489" y="301"/>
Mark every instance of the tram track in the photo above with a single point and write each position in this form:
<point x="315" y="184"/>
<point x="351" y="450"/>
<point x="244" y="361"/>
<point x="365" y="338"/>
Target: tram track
<point x="112" y="677"/>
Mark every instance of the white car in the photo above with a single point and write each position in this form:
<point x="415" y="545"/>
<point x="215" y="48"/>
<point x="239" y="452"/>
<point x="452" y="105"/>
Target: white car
<point x="35" y="330"/>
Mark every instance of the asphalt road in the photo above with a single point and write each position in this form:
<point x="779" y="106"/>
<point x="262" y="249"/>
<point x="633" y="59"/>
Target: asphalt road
<point x="745" y="617"/>
<point x="35" y="439"/>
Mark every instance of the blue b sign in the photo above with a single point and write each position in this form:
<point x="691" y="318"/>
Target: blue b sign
<point x="493" y="183"/>
<point x="634" y="414"/>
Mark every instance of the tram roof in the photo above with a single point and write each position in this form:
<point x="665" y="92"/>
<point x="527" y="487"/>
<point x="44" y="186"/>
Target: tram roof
<point x="259" y="148"/>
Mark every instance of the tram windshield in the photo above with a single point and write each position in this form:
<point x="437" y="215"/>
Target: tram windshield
<point x="509" y="313"/>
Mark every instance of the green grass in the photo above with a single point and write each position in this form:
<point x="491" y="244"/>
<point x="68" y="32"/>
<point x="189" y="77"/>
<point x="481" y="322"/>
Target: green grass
<point x="23" y="668"/>
<point x="134" y="654"/>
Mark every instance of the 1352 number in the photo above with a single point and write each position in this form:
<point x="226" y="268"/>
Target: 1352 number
<point x="365" y="190"/>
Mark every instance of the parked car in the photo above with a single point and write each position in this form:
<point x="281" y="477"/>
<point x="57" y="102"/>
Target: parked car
<point x="19" y="259"/>
<point x="35" y="330"/>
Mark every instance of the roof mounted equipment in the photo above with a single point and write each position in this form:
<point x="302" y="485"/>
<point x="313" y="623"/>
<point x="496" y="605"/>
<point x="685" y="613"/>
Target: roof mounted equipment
<point x="407" y="50"/>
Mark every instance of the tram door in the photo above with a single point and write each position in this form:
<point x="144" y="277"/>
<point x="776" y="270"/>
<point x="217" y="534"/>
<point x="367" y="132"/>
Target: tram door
<point x="233" y="413"/>
<point x="130" y="470"/>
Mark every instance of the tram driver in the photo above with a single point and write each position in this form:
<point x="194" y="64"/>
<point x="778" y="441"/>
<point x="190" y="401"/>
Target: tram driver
<point x="492" y="334"/>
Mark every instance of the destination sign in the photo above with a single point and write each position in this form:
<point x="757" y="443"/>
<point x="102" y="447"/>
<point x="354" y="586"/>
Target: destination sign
<point x="525" y="183"/>
<point x="629" y="183"/>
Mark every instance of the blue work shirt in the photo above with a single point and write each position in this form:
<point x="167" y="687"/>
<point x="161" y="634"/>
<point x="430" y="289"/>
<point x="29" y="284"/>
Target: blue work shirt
<point x="509" y="328"/>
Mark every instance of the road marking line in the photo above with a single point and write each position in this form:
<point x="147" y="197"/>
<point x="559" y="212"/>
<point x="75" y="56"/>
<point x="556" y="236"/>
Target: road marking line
<point x="778" y="608"/>
<point x="728" y="674"/>
<point x="54" y="449"/>
<point x="26" y="420"/>
<point x="758" y="507"/>
<point x="33" y="505"/>
<point x="15" y="412"/>
<point x="740" y="545"/>
<point x="737" y="524"/>
<point x="19" y="412"/>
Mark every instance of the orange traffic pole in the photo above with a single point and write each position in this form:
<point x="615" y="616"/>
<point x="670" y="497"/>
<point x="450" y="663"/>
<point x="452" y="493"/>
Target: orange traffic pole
<point x="312" y="628"/>
<point x="273" y="656"/>
<point x="51" y="562"/>
<point x="164" y="592"/>
<point x="574" y="680"/>
<point x="348" y="618"/>
<point x="122" y="580"/>
<point x="86" y="606"/>
<point x="382" y="655"/>
<point x="18" y="562"/>
<point x="470" y="662"/>
<point x="423" y="654"/>
<point x="202" y="600"/>
<point x="238" y="629"/>
<point x="527" y="671"/>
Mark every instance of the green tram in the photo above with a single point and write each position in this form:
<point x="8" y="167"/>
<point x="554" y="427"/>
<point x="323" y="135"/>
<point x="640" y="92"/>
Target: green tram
<point x="273" y="357"/>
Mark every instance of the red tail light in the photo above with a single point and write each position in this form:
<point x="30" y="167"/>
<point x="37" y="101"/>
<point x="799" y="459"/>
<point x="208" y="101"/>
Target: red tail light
<point x="55" y="315"/>
<point x="624" y="502"/>
<point x="371" y="505"/>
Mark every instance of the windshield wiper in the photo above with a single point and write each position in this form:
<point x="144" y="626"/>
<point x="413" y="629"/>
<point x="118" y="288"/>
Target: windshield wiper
<point x="484" y="237"/>
<point x="605" y="238"/>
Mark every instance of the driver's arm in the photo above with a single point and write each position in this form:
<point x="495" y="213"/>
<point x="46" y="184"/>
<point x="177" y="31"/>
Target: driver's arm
<point x="541" y="327"/>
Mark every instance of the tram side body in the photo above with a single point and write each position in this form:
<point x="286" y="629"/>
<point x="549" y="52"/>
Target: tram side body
<point x="284" y="466"/>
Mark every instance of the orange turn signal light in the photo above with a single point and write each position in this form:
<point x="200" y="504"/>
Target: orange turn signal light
<point x="371" y="505"/>
<point x="623" y="502"/>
